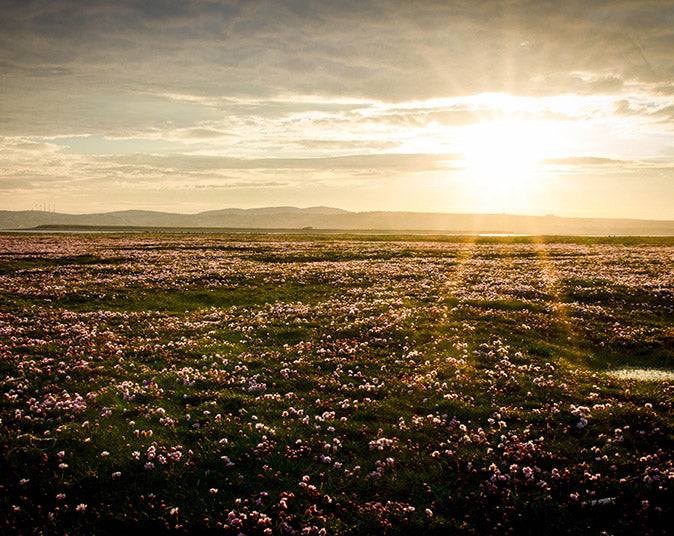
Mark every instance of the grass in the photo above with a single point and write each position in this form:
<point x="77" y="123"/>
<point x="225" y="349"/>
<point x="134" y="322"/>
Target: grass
<point x="197" y="384"/>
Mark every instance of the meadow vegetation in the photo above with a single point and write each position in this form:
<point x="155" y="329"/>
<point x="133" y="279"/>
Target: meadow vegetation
<point x="262" y="384"/>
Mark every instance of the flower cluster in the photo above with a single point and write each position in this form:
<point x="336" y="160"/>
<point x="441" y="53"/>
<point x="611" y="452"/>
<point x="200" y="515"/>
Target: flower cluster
<point x="333" y="385"/>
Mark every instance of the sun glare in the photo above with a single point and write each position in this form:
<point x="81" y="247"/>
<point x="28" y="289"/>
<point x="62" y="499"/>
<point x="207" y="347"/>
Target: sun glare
<point x="501" y="161"/>
<point x="502" y="154"/>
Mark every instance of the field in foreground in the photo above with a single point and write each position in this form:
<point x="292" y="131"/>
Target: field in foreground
<point x="334" y="385"/>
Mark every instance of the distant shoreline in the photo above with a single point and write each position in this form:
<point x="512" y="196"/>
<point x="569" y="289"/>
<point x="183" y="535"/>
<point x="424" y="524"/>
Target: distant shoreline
<point x="398" y="234"/>
<point x="243" y="230"/>
<point x="317" y="220"/>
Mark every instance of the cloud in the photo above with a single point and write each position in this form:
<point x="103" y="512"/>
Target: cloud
<point x="41" y="165"/>
<point x="665" y="114"/>
<point x="335" y="145"/>
<point x="589" y="165"/>
<point x="587" y="161"/>
<point x="383" y="50"/>
<point x="203" y="133"/>
<point x="294" y="91"/>
<point x="106" y="68"/>
<point x="386" y="162"/>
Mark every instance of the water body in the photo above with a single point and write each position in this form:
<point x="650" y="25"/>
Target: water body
<point x="643" y="374"/>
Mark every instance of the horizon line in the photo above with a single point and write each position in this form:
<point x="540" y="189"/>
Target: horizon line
<point x="346" y="211"/>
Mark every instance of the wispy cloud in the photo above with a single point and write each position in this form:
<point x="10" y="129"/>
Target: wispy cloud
<point x="133" y="93"/>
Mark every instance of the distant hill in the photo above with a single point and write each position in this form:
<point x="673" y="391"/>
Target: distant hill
<point x="336" y="219"/>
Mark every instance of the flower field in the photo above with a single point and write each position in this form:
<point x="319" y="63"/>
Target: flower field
<point x="300" y="385"/>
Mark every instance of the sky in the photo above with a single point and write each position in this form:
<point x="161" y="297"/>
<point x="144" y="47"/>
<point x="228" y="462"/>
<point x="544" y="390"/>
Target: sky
<point x="525" y="107"/>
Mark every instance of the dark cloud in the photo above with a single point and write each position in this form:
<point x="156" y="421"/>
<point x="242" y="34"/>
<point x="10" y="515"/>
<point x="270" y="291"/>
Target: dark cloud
<point x="384" y="50"/>
<point x="665" y="114"/>
<point x="665" y="89"/>
<point x="423" y="117"/>
<point x="203" y="133"/>
<point x="342" y="145"/>
<point x="624" y="107"/>
<point x="399" y="162"/>
<point x="586" y="161"/>
<point x="306" y="81"/>
<point x="75" y="66"/>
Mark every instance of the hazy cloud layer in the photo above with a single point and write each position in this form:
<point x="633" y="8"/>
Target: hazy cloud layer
<point x="383" y="50"/>
<point x="298" y="93"/>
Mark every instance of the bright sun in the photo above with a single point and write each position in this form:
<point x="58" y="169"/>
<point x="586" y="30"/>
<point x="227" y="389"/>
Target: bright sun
<point x="503" y="154"/>
<point x="502" y="159"/>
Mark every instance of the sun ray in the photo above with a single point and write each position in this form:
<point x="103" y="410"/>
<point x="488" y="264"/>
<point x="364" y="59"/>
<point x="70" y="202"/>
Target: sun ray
<point x="501" y="160"/>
